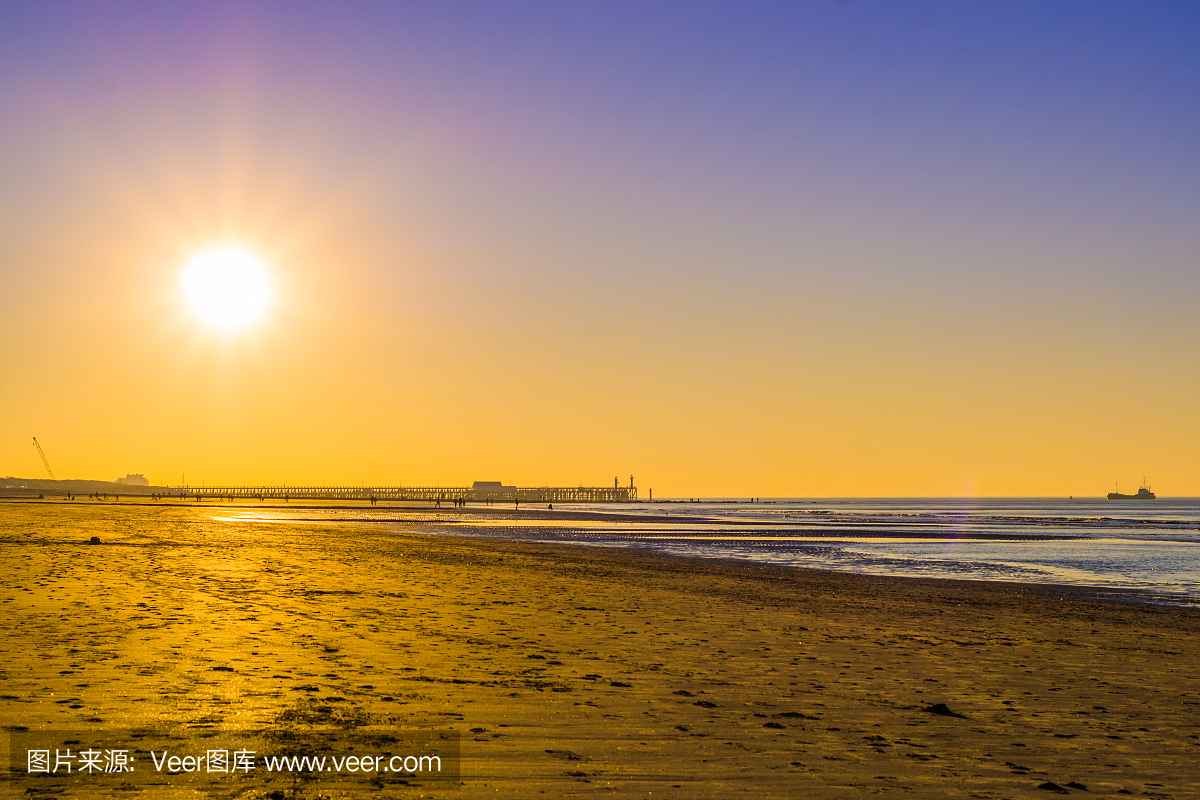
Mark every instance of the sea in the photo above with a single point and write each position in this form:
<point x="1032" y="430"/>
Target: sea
<point x="1149" y="549"/>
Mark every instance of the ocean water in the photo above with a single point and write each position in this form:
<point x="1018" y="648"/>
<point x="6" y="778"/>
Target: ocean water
<point x="1144" y="547"/>
<point x="1140" y="546"/>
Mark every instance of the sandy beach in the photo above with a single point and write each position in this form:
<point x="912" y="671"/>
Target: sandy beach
<point x="573" y="671"/>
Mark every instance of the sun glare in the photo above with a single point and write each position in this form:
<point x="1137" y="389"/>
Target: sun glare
<point x="228" y="287"/>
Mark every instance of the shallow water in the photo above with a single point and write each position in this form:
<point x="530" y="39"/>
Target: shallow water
<point x="1143" y="546"/>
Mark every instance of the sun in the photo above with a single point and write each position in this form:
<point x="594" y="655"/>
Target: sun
<point x="228" y="287"/>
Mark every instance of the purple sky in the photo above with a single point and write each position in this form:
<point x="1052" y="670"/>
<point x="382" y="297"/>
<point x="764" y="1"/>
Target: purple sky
<point x="949" y="197"/>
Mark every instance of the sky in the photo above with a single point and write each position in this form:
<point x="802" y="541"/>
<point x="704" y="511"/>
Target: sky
<point x="730" y="249"/>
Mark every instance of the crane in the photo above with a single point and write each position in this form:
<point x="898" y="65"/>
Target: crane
<point x="45" y="460"/>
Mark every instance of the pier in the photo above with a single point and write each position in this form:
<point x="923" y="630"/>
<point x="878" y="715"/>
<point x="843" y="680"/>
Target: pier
<point x="379" y="494"/>
<point x="479" y="492"/>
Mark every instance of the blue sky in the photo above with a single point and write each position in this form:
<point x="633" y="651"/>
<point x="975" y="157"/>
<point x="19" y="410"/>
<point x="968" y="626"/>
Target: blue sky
<point x="980" y="205"/>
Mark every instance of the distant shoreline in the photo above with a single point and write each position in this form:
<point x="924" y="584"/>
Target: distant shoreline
<point x="21" y="488"/>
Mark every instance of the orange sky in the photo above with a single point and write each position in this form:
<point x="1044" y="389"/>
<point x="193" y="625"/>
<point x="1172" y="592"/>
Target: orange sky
<point x="469" y="288"/>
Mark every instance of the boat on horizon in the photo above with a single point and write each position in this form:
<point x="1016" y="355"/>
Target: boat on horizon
<point x="1143" y="493"/>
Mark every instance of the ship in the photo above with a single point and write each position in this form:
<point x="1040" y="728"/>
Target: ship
<point x="1143" y="493"/>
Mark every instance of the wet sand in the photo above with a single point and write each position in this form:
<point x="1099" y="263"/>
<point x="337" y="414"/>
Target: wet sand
<point x="572" y="671"/>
